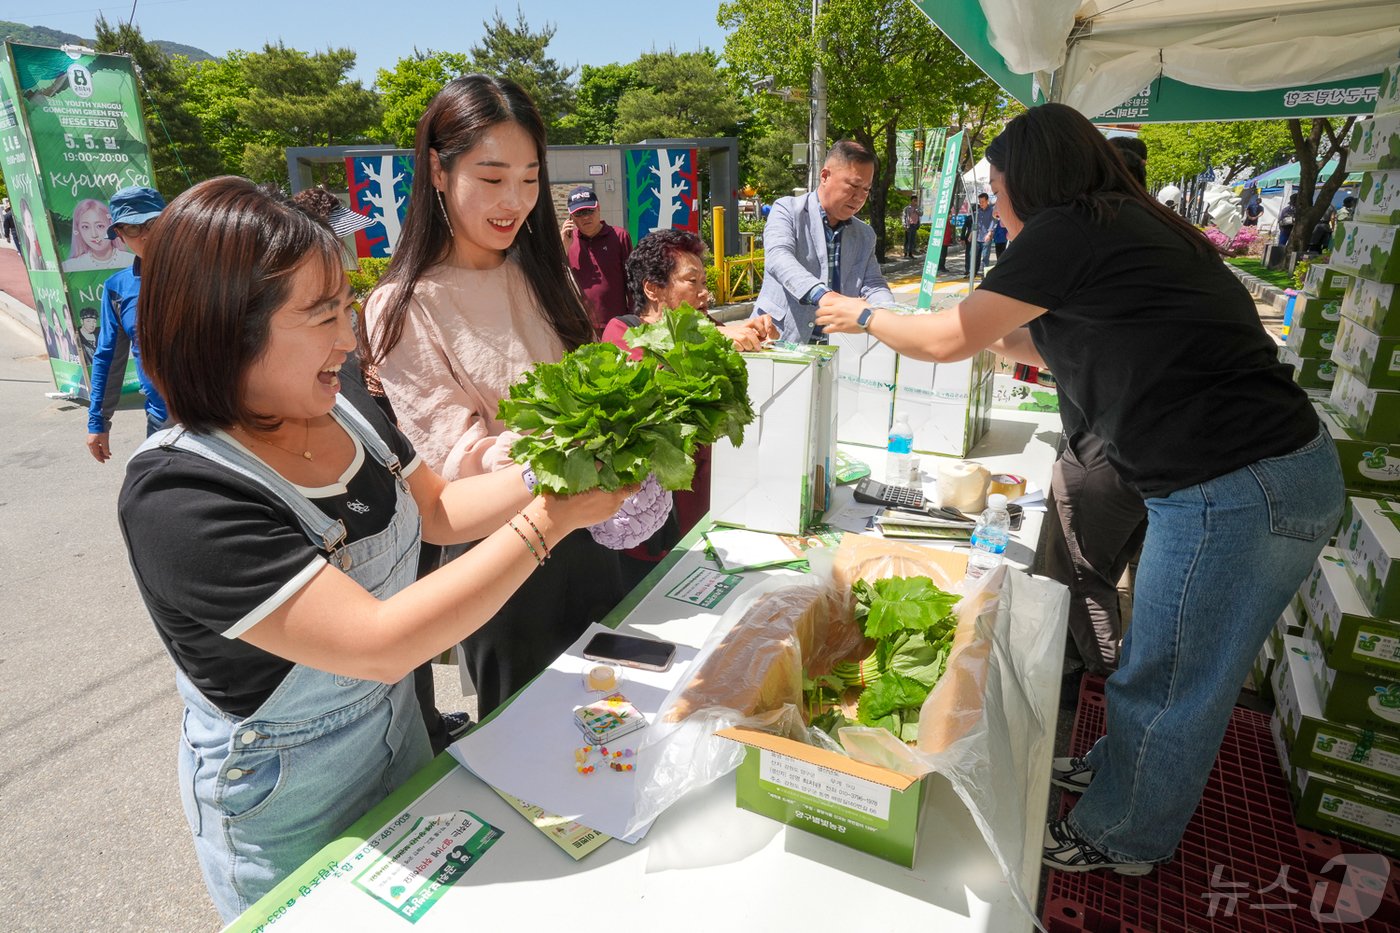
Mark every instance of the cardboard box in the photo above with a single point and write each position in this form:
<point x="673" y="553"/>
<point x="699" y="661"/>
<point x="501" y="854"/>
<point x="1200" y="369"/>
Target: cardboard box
<point x="1388" y="94"/>
<point x="1369" y="542"/>
<point x="1351" y="638"/>
<point x="1262" y="671"/>
<point x="1378" y="201"/>
<point x="780" y="479"/>
<point x="1340" y="809"/>
<point x="1373" y="414"/>
<point x="1311" y="343"/>
<point x="865" y="389"/>
<point x="1313" y="312"/>
<point x="868" y="808"/>
<point x="1375" y="306"/>
<point x="1011" y="393"/>
<point x="1324" y="281"/>
<point x="1373" y="359"/>
<point x="1367" y="466"/>
<point x="1310" y="373"/>
<point x="1317" y="744"/>
<point x="1350" y="698"/>
<point x="947" y="403"/>
<point x="1370" y="251"/>
<point x="1375" y="144"/>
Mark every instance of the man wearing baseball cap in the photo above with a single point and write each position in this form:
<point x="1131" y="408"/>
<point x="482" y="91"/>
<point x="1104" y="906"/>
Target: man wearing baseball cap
<point x="132" y="211"/>
<point x="597" y="257"/>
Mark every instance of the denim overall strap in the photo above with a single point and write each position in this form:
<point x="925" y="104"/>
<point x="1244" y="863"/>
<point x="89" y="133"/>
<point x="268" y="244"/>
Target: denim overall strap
<point x="264" y="793"/>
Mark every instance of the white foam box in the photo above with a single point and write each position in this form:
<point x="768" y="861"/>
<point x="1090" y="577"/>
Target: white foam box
<point x="1370" y="414"/>
<point x="947" y="403"/>
<point x="1311" y="343"/>
<point x="1351" y="638"/>
<point x="1378" y="199"/>
<point x="1375" y="306"/>
<point x="1369" y="542"/>
<point x="1368" y="467"/>
<point x="1310" y="373"/>
<point x="1314" y="742"/>
<point x="1369" y="251"/>
<point x="1373" y="359"/>
<point x="1375" y="144"/>
<point x="864" y="389"/>
<point x="779" y="479"/>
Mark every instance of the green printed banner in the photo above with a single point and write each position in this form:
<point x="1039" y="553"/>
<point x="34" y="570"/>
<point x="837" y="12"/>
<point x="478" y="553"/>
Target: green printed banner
<point x="72" y="134"/>
<point x="941" y="200"/>
<point x="929" y="174"/>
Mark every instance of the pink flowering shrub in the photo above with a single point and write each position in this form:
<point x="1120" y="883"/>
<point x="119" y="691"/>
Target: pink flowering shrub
<point x="1239" y="246"/>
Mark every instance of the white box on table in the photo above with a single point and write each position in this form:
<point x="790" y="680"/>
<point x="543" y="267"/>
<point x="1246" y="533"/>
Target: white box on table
<point x="865" y="389"/>
<point x="779" y="480"/>
<point x="946" y="403"/>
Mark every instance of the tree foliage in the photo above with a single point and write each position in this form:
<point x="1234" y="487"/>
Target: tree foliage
<point x="886" y="66"/>
<point x="296" y="98"/>
<point x="593" y="120"/>
<point x="406" y="89"/>
<point x="519" y="53"/>
<point x="179" y="154"/>
<point x="1237" y="149"/>
<point x="679" y="94"/>
<point x="211" y="90"/>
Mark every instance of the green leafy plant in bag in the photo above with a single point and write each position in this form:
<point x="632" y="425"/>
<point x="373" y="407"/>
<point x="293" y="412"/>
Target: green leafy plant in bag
<point x="597" y="418"/>
<point x="912" y="622"/>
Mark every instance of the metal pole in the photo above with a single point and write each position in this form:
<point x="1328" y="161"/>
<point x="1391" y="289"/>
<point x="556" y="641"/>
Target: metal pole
<point x="816" y="138"/>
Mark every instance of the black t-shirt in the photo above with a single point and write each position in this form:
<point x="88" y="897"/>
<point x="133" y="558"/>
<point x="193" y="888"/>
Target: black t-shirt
<point x="1158" y="347"/>
<point x="214" y="553"/>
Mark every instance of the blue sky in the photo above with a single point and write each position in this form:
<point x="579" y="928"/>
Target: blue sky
<point x="592" y="32"/>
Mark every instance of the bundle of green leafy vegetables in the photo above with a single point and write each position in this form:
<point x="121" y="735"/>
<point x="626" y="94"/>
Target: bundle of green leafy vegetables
<point x="596" y="418"/>
<point x="912" y="622"/>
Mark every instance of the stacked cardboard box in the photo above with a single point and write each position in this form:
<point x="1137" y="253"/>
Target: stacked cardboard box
<point x="1337" y="685"/>
<point x="1312" y="333"/>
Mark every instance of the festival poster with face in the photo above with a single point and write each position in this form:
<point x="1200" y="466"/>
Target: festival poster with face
<point x="76" y="120"/>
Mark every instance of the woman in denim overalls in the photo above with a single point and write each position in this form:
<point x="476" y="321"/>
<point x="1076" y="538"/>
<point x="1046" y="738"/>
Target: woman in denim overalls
<point x="253" y="324"/>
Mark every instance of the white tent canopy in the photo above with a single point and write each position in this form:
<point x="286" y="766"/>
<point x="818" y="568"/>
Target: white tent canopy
<point x="1105" y="51"/>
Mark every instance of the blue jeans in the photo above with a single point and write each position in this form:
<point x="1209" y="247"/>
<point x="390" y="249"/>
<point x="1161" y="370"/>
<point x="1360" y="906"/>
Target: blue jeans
<point x="1219" y="564"/>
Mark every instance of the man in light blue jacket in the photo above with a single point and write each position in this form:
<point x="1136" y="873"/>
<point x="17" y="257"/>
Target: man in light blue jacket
<point x="817" y="253"/>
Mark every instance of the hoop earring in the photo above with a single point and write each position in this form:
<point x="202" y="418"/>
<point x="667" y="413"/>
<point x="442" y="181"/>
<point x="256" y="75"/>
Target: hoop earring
<point x="445" y="219"/>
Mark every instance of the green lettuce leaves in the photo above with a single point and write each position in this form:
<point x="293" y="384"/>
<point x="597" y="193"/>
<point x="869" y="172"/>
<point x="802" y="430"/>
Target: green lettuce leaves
<point x="596" y="418"/>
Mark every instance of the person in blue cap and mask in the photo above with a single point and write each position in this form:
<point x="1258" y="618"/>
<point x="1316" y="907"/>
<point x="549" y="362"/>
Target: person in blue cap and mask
<point x="132" y="211"/>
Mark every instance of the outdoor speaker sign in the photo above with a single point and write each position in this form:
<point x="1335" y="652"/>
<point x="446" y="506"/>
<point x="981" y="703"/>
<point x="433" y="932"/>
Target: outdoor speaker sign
<point x="71" y="134"/>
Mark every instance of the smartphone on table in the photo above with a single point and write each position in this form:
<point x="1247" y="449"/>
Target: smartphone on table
<point x="648" y="654"/>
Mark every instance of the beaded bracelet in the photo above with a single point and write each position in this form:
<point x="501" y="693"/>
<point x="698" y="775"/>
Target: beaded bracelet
<point x="527" y="518"/>
<point x="539" y="561"/>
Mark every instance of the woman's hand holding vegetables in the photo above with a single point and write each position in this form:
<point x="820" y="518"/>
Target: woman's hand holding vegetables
<point x="582" y="509"/>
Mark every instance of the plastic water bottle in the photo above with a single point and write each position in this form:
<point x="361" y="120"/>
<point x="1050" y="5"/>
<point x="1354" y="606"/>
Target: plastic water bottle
<point x="900" y="452"/>
<point x="990" y="537"/>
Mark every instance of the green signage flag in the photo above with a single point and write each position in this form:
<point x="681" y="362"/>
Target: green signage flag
<point x="942" y="199"/>
<point x="928" y="178"/>
<point x="72" y="134"/>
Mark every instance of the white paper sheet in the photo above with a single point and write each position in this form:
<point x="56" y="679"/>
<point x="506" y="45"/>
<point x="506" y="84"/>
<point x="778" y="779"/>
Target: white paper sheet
<point x="737" y="547"/>
<point x="528" y="749"/>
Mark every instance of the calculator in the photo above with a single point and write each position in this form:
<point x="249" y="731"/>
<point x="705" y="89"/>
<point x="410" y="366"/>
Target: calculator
<point x="900" y="497"/>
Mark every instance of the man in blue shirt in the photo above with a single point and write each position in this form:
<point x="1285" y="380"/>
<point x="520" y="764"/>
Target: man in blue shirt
<point x="818" y="253"/>
<point x="983" y="221"/>
<point x="131" y="209"/>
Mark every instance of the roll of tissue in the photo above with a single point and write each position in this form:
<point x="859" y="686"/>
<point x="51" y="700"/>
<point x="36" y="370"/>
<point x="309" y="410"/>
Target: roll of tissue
<point x="962" y="484"/>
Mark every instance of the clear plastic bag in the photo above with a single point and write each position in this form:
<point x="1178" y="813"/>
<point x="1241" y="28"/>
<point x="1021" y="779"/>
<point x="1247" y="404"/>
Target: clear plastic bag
<point x="980" y="726"/>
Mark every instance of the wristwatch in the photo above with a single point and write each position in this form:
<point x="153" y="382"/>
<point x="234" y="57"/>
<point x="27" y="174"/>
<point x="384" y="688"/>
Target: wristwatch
<point x="863" y="321"/>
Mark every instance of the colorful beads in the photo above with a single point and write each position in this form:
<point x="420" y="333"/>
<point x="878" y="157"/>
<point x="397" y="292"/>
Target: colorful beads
<point x="615" y="759"/>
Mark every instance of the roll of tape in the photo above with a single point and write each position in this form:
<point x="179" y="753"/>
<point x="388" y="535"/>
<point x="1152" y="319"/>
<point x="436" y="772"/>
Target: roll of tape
<point x="1008" y="484"/>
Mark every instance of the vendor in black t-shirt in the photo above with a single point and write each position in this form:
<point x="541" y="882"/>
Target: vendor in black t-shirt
<point x="1161" y="350"/>
<point x="274" y="537"/>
